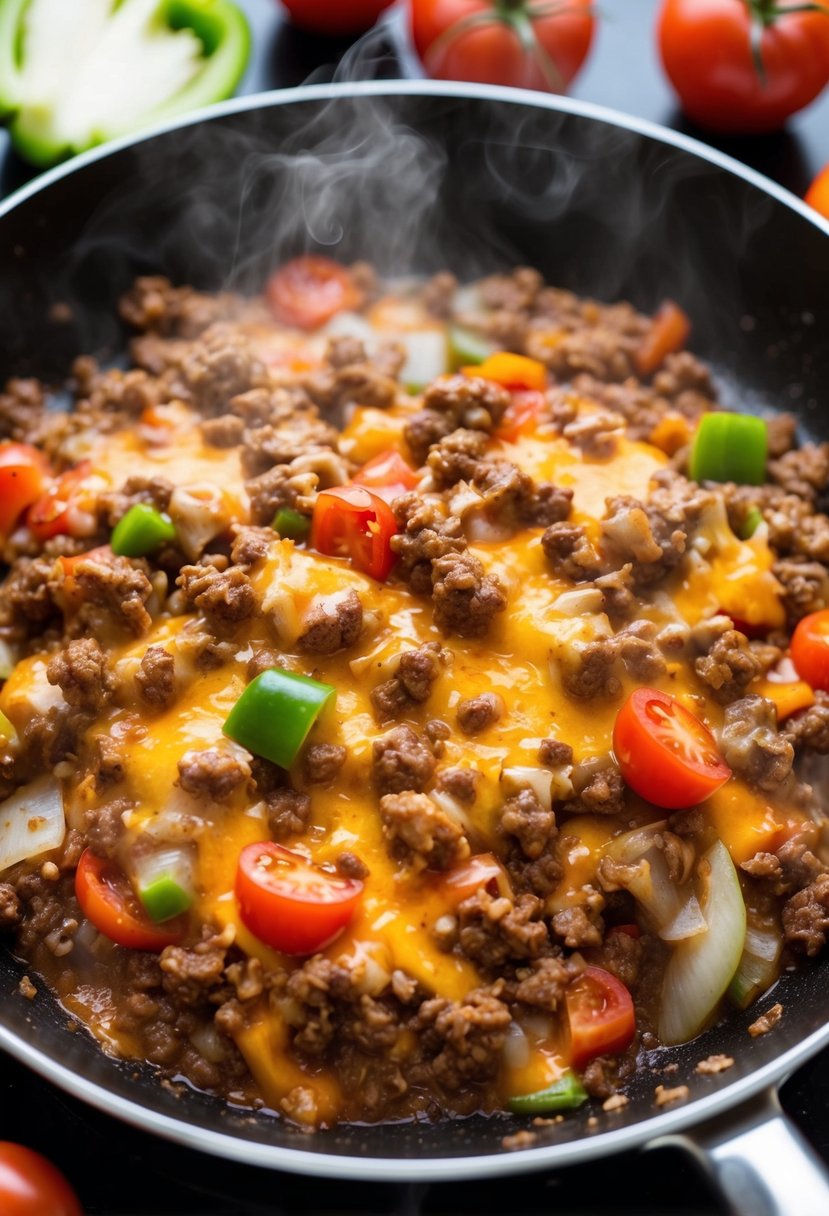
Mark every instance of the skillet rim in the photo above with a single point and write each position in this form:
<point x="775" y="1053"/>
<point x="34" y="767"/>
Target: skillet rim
<point x="410" y="1169"/>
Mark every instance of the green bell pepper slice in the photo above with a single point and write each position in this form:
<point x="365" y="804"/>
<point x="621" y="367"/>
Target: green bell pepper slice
<point x="466" y="349"/>
<point x="751" y="523"/>
<point x="170" y="56"/>
<point x="730" y="447"/>
<point x="164" y="898"/>
<point x="274" y="714"/>
<point x="567" y="1093"/>
<point x="291" y="525"/>
<point x="141" y="531"/>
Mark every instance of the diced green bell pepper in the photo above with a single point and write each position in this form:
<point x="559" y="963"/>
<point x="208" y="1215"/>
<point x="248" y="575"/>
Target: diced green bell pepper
<point x="730" y="447"/>
<point x="466" y="348"/>
<point x="567" y="1093"/>
<point x="291" y="525"/>
<point x="75" y="73"/>
<point x="164" y="898"/>
<point x="274" y="714"/>
<point x="141" y="531"/>
<point x="751" y="523"/>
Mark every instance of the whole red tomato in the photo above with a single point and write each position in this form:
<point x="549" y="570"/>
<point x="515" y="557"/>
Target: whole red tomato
<point x="530" y="44"/>
<point x="817" y="195"/>
<point x="31" y="1186"/>
<point x="335" y="17"/>
<point x="742" y="67"/>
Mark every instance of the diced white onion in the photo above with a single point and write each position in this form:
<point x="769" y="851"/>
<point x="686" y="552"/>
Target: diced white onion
<point x="670" y="908"/>
<point x="209" y="1043"/>
<point x="453" y="809"/>
<point x="32" y="822"/>
<point x="516" y="1047"/>
<point x="199" y="513"/>
<point x="539" y="780"/>
<point x="427" y="357"/>
<point x="578" y="601"/>
<point x="701" y="968"/>
<point x="175" y="862"/>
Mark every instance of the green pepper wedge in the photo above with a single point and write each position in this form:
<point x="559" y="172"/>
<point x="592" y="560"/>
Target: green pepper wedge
<point x="274" y="714"/>
<point x="567" y="1093"/>
<point x="729" y="447"/>
<point x="141" y="531"/>
<point x="171" y="56"/>
<point x="291" y="525"/>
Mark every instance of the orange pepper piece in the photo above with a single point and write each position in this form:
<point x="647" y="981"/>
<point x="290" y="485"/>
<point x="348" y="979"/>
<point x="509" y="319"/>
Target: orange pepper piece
<point x="668" y="332"/>
<point x="789" y="697"/>
<point x="511" y="371"/>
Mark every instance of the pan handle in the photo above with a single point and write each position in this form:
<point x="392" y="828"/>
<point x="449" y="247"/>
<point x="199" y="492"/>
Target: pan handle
<point x="759" y="1160"/>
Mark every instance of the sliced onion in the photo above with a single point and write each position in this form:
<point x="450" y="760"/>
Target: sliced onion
<point x="175" y="862"/>
<point x="701" y="968"/>
<point x="516" y="1047"/>
<point x="579" y="601"/>
<point x="671" y="909"/>
<point x="759" y="965"/>
<point x="32" y="822"/>
<point x="7" y="660"/>
<point x="453" y="809"/>
<point x="427" y="357"/>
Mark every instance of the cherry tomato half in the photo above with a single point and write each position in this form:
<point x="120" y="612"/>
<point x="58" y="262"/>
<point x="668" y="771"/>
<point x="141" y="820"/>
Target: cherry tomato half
<point x="810" y="649"/>
<point x="707" y="52"/>
<point x="350" y="521"/>
<point x="521" y="415"/>
<point x="529" y="46"/>
<point x="665" y="753"/>
<point x="308" y="291"/>
<point x="290" y="903"/>
<point x="387" y="475"/>
<point x="51" y="515"/>
<point x="601" y="1017"/>
<point x="24" y="475"/>
<point x="817" y="195"/>
<point x="463" y="880"/>
<point x="31" y="1186"/>
<point x="109" y="902"/>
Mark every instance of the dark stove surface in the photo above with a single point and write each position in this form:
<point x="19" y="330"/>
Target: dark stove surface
<point x="119" y="1171"/>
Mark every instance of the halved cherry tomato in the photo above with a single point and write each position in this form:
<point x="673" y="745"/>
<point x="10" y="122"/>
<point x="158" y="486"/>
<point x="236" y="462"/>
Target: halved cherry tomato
<point x="668" y="332"/>
<point x="308" y="291"/>
<point x="31" y="1186"/>
<point x="665" y="753"/>
<point x="810" y="649"/>
<point x="601" y="1017"/>
<point x="290" y="903"/>
<point x="51" y="514"/>
<point x="521" y="415"/>
<point x="108" y="900"/>
<point x="24" y="475"/>
<point x="817" y="195"/>
<point x="482" y="870"/>
<point x="514" y="372"/>
<point x="387" y="475"/>
<point x="350" y="521"/>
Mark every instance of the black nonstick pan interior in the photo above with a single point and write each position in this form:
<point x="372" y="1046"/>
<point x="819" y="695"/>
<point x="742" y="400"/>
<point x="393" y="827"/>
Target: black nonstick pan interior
<point x="415" y="178"/>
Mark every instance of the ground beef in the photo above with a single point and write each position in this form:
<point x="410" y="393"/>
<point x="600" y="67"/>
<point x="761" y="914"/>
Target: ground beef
<point x="11" y="911"/>
<point x="193" y="977"/>
<point x="332" y="624"/>
<point x="588" y="669"/>
<point x="463" y="1039"/>
<point x="476" y="714"/>
<point x="224" y="597"/>
<point x="806" y="917"/>
<point x="795" y="865"/>
<point x="22" y="404"/>
<point x="598" y="788"/>
<point x="108" y="763"/>
<point x="455" y="457"/>
<point x="621" y="955"/>
<point x="728" y="667"/>
<point x="83" y="674"/>
<point x="288" y="812"/>
<point x="438" y="293"/>
<point x="598" y="1078"/>
<point x="411" y="684"/>
<point x="570" y="553"/>
<point x="250" y="545"/>
<point x="576" y="929"/>
<point x="805" y="586"/>
<point x="419" y="833"/>
<point x="471" y="402"/>
<point x="595" y="432"/>
<point x="512" y="499"/>
<point x="646" y="536"/>
<point x="810" y="729"/>
<point x="152" y="491"/>
<point x="803" y="471"/>
<point x="426" y="534"/>
<point x="545" y="982"/>
<point x="117" y="587"/>
<point x="214" y="773"/>
<point x="322" y="762"/>
<point x="225" y="431"/>
<point x="26" y="597"/>
<point x="401" y="762"/>
<point x="217" y="366"/>
<point x="493" y="929"/>
<point x="751" y="745"/>
<point x="153" y="303"/>
<point x="460" y="783"/>
<point x="523" y="817"/>
<point x="637" y="648"/>
<point x="279" y="487"/>
<point x="465" y="598"/>
<point x="104" y="826"/>
<point x="553" y="753"/>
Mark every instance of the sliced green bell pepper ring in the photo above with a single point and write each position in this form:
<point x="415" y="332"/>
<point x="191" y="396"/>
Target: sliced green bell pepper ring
<point x="274" y="714"/>
<point x="730" y="447"/>
<point x="567" y="1093"/>
<point x="183" y="54"/>
<point x="291" y="525"/>
<point x="141" y="531"/>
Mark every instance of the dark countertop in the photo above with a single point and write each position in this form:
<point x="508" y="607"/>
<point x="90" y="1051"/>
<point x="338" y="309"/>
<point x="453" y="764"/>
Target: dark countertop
<point x="121" y="1172"/>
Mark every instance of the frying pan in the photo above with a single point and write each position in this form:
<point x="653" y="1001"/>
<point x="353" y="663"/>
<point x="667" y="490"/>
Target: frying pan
<point x="417" y="176"/>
